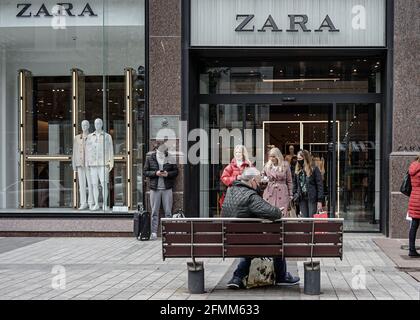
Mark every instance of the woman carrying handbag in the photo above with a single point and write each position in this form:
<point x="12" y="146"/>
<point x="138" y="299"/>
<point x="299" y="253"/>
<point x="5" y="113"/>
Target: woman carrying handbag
<point x="308" y="189"/>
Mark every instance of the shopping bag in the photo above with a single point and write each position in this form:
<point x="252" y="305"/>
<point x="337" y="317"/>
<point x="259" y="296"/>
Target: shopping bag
<point x="321" y="214"/>
<point x="261" y="273"/>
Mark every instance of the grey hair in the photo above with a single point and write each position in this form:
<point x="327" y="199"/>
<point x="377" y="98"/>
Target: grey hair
<point x="249" y="174"/>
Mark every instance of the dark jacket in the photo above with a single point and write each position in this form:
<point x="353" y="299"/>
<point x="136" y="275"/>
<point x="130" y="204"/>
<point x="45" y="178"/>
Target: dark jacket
<point x="151" y="166"/>
<point x="242" y="201"/>
<point x="315" y="187"/>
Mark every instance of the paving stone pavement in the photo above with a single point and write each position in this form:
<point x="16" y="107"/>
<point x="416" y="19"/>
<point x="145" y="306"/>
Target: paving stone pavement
<point x="124" y="268"/>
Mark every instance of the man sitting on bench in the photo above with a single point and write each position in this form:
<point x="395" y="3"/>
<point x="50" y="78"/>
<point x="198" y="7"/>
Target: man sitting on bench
<point x="243" y="200"/>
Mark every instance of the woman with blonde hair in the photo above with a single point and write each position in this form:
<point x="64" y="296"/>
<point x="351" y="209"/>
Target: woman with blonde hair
<point x="414" y="205"/>
<point x="233" y="171"/>
<point x="279" y="189"/>
<point x="308" y="189"/>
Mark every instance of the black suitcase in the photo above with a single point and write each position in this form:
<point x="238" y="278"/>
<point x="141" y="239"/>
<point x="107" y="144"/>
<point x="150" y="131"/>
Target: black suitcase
<point x="141" y="228"/>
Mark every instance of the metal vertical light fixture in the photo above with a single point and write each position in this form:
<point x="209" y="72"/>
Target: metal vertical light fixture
<point x="128" y="117"/>
<point x="22" y="108"/>
<point x="74" y="112"/>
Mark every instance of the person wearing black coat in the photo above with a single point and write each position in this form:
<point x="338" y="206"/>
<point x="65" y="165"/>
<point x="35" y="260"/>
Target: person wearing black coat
<point x="308" y="189"/>
<point x="243" y="200"/>
<point x="162" y="171"/>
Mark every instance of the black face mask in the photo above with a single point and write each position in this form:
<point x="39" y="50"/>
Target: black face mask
<point x="301" y="162"/>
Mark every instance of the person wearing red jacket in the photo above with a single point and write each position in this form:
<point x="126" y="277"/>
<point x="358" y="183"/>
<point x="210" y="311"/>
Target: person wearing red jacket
<point x="414" y="205"/>
<point x="233" y="171"/>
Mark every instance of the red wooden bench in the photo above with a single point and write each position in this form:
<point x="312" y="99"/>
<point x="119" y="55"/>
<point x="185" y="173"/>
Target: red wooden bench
<point x="236" y="237"/>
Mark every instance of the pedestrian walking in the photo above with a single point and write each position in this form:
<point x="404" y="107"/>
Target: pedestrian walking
<point x="279" y="189"/>
<point x="308" y="189"/>
<point x="414" y="205"/>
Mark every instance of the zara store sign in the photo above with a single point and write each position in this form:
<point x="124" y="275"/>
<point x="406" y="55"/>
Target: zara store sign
<point x="291" y="23"/>
<point x="71" y="13"/>
<point x="28" y="10"/>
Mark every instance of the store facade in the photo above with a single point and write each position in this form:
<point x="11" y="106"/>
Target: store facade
<point x="62" y="64"/>
<point x="302" y="75"/>
<point x="320" y="75"/>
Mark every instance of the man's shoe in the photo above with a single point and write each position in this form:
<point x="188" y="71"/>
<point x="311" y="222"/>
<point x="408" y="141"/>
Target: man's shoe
<point x="288" y="280"/>
<point x="414" y="254"/>
<point x="94" y="208"/>
<point x="235" y="283"/>
<point x="153" y="236"/>
<point x="83" y="206"/>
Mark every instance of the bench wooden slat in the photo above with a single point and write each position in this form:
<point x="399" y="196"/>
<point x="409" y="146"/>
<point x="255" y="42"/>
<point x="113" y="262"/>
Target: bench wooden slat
<point x="318" y="238"/>
<point x="253" y="251"/>
<point x="246" y="238"/>
<point x="185" y="251"/>
<point x="320" y="226"/>
<point x="198" y="238"/>
<point x="320" y="251"/>
<point x="186" y="227"/>
<point x="251" y="227"/>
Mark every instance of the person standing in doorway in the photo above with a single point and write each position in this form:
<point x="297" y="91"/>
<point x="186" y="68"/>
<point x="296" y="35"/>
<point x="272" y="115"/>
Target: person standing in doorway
<point x="414" y="206"/>
<point x="279" y="190"/>
<point x="161" y="169"/>
<point x="308" y="188"/>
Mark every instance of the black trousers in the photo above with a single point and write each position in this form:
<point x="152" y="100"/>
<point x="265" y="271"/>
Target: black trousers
<point x="413" y="232"/>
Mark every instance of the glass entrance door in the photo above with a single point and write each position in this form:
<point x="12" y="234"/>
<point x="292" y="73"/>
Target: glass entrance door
<point x="315" y="137"/>
<point x="260" y="127"/>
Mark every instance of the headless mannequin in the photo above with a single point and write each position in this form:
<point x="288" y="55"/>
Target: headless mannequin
<point x="100" y="160"/>
<point x="79" y="165"/>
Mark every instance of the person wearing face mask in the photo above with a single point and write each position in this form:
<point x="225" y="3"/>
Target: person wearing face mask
<point x="243" y="201"/>
<point x="233" y="171"/>
<point x="308" y="190"/>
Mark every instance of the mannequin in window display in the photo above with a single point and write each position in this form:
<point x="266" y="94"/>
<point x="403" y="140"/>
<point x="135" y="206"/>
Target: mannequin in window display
<point x="79" y="165"/>
<point x="100" y="161"/>
<point x="291" y="154"/>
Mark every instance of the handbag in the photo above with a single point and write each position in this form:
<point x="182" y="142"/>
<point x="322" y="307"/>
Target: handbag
<point x="261" y="273"/>
<point x="406" y="185"/>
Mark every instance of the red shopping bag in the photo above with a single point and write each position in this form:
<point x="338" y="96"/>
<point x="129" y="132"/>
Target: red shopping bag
<point x="321" y="215"/>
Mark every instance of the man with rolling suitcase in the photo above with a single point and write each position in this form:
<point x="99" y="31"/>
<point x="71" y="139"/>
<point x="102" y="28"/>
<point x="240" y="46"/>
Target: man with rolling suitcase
<point x="161" y="169"/>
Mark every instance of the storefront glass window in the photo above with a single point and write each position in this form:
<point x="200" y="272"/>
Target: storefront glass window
<point x="61" y="64"/>
<point x="358" y="75"/>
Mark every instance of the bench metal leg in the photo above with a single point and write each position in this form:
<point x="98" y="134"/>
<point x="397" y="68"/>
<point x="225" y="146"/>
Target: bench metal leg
<point x="312" y="281"/>
<point x="195" y="277"/>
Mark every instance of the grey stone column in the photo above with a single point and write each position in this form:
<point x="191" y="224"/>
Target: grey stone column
<point x="165" y="68"/>
<point x="406" y="109"/>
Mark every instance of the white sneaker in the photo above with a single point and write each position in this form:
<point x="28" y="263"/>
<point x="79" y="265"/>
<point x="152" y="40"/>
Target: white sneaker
<point x="94" y="208"/>
<point x="83" y="206"/>
<point x="153" y="236"/>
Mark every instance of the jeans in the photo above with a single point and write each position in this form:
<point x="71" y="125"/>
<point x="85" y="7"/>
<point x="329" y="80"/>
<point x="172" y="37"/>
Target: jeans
<point x="158" y="197"/>
<point x="243" y="268"/>
<point x="412" y="236"/>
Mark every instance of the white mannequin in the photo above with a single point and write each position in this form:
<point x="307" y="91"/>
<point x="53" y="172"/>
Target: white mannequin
<point x="100" y="160"/>
<point x="79" y="165"/>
